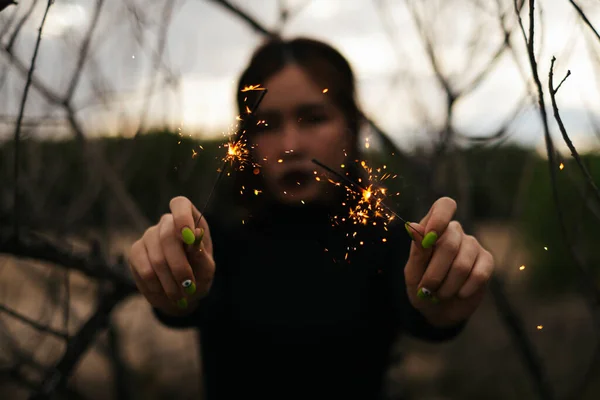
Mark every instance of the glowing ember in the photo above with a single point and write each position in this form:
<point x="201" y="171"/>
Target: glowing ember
<point x="368" y="204"/>
<point x="237" y="153"/>
<point x="561" y="166"/>
<point x="325" y="90"/>
<point x="522" y="267"/>
<point x="364" y="201"/>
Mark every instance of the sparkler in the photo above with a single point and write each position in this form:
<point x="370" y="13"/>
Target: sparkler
<point x="237" y="147"/>
<point x="370" y="204"/>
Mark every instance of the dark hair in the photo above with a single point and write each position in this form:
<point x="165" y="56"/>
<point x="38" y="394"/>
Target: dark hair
<point x="324" y="64"/>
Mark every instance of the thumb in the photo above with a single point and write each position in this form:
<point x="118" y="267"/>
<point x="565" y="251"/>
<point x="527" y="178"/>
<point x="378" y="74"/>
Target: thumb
<point x="418" y="258"/>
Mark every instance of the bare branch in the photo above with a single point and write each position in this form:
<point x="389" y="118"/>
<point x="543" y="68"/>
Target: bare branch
<point x="85" y="47"/>
<point x="563" y="131"/>
<point x="35" y="247"/>
<point x="20" y="118"/>
<point x="167" y="13"/>
<point x="20" y="24"/>
<point x="34" y="324"/>
<point x="591" y="293"/>
<point x="584" y="18"/>
<point x="57" y="376"/>
<point x="44" y="90"/>
<point x="250" y="21"/>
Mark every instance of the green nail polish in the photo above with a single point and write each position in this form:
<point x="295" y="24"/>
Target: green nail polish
<point x="429" y="240"/>
<point x="423" y="293"/>
<point x="434" y="300"/>
<point x="187" y="235"/>
<point x="189" y="287"/>
<point x="182" y="303"/>
<point x="409" y="231"/>
<point x="198" y="240"/>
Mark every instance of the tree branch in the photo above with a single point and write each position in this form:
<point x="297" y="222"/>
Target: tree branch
<point x="16" y="205"/>
<point x="241" y="14"/>
<point x="34" y="324"/>
<point x="33" y="246"/>
<point x="584" y="18"/>
<point x="563" y="131"/>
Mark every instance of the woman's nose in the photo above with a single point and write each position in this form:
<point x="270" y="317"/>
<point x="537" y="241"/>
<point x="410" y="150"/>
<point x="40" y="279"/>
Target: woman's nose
<point x="290" y="138"/>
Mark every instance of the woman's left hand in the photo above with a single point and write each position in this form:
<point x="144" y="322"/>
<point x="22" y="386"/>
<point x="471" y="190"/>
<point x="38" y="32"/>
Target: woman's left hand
<point x="447" y="270"/>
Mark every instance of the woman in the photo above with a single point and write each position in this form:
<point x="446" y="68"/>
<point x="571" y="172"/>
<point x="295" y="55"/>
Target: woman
<point x="283" y="311"/>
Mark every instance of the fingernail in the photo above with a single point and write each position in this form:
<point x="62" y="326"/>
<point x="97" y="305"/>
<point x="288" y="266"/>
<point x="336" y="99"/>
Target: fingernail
<point x="429" y="240"/>
<point x="182" y="303"/>
<point x="409" y="231"/>
<point x="187" y="235"/>
<point x="198" y="240"/>
<point x="423" y="293"/>
<point x="188" y="286"/>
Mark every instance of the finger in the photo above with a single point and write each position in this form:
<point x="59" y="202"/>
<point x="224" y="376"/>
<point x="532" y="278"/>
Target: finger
<point x="479" y="276"/>
<point x="185" y="216"/>
<point x="159" y="264"/>
<point x="418" y="257"/>
<point x="460" y="269"/>
<point x="142" y="268"/>
<point x="203" y="234"/>
<point x="174" y="254"/>
<point x="158" y="300"/>
<point x="440" y="215"/>
<point x="442" y="258"/>
<point x="203" y="266"/>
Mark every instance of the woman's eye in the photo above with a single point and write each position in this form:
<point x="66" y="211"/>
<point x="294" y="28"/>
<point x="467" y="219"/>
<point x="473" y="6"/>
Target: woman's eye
<point x="265" y="126"/>
<point x="313" y="119"/>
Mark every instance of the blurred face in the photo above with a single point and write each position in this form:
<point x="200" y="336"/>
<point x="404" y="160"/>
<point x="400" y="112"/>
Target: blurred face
<point x="301" y="124"/>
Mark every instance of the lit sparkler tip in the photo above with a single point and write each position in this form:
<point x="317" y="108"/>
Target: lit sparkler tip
<point x="250" y="88"/>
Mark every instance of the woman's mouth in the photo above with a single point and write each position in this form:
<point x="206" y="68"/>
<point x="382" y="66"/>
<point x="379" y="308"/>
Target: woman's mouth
<point x="295" y="179"/>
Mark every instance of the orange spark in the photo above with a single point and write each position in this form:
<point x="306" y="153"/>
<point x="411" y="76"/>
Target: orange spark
<point x="253" y="87"/>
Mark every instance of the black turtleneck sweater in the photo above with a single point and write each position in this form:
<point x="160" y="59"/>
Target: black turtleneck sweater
<point x="290" y="316"/>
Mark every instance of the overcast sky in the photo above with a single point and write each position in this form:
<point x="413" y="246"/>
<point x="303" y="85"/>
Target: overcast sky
<point x="208" y="47"/>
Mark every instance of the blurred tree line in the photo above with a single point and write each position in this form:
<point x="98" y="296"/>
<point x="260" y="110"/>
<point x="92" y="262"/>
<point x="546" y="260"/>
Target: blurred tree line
<point x="160" y="165"/>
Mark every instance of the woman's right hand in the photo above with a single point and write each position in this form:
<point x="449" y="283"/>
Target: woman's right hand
<point x="172" y="263"/>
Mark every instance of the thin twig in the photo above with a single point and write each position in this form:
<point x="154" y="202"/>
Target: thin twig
<point x="563" y="131"/>
<point x="35" y="247"/>
<point x="85" y="48"/>
<point x="34" y="324"/>
<point x="15" y="34"/>
<point x="16" y="205"/>
<point x="591" y="293"/>
<point x="57" y="376"/>
<point x="250" y="21"/>
<point x="584" y="18"/>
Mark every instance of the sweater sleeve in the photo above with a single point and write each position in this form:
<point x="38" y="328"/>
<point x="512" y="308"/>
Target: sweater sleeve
<point x="409" y="318"/>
